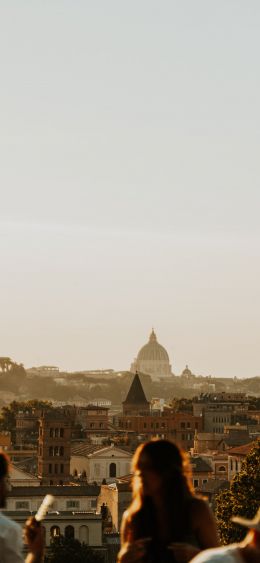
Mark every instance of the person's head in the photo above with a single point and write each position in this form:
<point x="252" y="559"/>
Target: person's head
<point x="4" y="468"/>
<point x="159" y="466"/>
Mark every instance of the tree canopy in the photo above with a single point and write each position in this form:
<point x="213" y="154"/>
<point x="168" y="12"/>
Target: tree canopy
<point x="66" y="550"/>
<point x="242" y="499"/>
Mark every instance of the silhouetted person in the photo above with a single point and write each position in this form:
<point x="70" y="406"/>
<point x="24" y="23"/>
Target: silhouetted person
<point x="11" y="543"/>
<point x="165" y="520"/>
<point x="247" y="551"/>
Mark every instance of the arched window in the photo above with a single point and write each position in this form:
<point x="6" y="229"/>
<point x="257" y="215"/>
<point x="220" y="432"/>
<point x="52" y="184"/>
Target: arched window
<point x="69" y="532"/>
<point x="222" y="469"/>
<point x="55" y="532"/>
<point x="83" y="534"/>
<point x="112" y="470"/>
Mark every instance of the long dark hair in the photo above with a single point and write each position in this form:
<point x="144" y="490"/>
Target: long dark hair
<point x="171" y="464"/>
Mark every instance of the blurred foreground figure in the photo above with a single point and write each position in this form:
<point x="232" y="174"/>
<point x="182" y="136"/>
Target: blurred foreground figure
<point x="247" y="551"/>
<point x="165" y="522"/>
<point x="11" y="543"/>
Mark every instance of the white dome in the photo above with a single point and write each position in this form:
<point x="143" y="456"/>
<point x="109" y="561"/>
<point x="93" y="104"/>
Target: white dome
<point x="152" y="359"/>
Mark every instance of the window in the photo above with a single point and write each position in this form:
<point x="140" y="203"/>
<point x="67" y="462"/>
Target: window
<point x="83" y="534"/>
<point x="183" y="436"/>
<point x="157" y="425"/>
<point x="22" y="505"/>
<point x="56" y="433"/>
<point x="145" y="424"/>
<point x="188" y="424"/>
<point x="61" y="450"/>
<point x="222" y="469"/>
<point x="93" y="503"/>
<point x="61" y="468"/>
<point x="56" y="468"/>
<point x="182" y="424"/>
<point x="61" y="432"/>
<point x="101" y="425"/>
<point x="112" y="470"/>
<point x="51" y="432"/>
<point x="51" y="452"/>
<point x="204" y="481"/>
<point x="69" y="532"/>
<point x="195" y="482"/>
<point x="50" y="467"/>
<point x="55" y="531"/>
<point x="72" y="504"/>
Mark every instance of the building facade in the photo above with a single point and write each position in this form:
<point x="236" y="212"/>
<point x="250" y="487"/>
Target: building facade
<point x="54" y="447"/>
<point x="96" y="463"/>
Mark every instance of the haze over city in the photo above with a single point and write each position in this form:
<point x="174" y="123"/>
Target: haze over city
<point x="130" y="183"/>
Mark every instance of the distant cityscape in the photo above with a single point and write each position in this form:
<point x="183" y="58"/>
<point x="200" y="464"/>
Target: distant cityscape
<point x="75" y="434"/>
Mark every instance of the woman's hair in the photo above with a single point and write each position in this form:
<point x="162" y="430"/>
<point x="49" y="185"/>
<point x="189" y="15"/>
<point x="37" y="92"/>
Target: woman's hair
<point x="171" y="464"/>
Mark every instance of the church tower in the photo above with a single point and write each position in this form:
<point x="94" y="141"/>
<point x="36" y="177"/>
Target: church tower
<point x="54" y="447"/>
<point x="136" y="402"/>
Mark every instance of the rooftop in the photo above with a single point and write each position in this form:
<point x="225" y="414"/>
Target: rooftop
<point x="136" y="395"/>
<point x="62" y="491"/>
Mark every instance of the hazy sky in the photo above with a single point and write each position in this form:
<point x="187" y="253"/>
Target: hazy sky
<point x="129" y="177"/>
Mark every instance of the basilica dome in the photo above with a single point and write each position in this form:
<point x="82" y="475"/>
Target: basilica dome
<point x="152" y="359"/>
<point x="153" y="350"/>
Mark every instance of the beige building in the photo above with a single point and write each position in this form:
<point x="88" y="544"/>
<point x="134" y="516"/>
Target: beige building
<point x="97" y="463"/>
<point x="236" y="457"/>
<point x="152" y="359"/>
<point x="116" y="498"/>
<point x="73" y="513"/>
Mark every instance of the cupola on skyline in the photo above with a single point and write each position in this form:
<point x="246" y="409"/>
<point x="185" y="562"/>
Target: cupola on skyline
<point x="152" y="359"/>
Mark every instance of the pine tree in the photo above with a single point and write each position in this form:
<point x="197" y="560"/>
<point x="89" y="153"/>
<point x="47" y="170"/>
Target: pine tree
<point x="242" y="499"/>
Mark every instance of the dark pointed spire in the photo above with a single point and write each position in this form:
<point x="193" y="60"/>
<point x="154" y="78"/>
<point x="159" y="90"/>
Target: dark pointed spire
<point x="136" y="395"/>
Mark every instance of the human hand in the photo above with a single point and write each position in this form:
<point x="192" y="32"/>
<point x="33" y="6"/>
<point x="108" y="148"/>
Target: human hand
<point x="183" y="552"/>
<point x="133" y="552"/>
<point x="34" y="537"/>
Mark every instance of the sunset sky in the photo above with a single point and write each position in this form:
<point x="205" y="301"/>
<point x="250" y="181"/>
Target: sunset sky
<point x="129" y="178"/>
